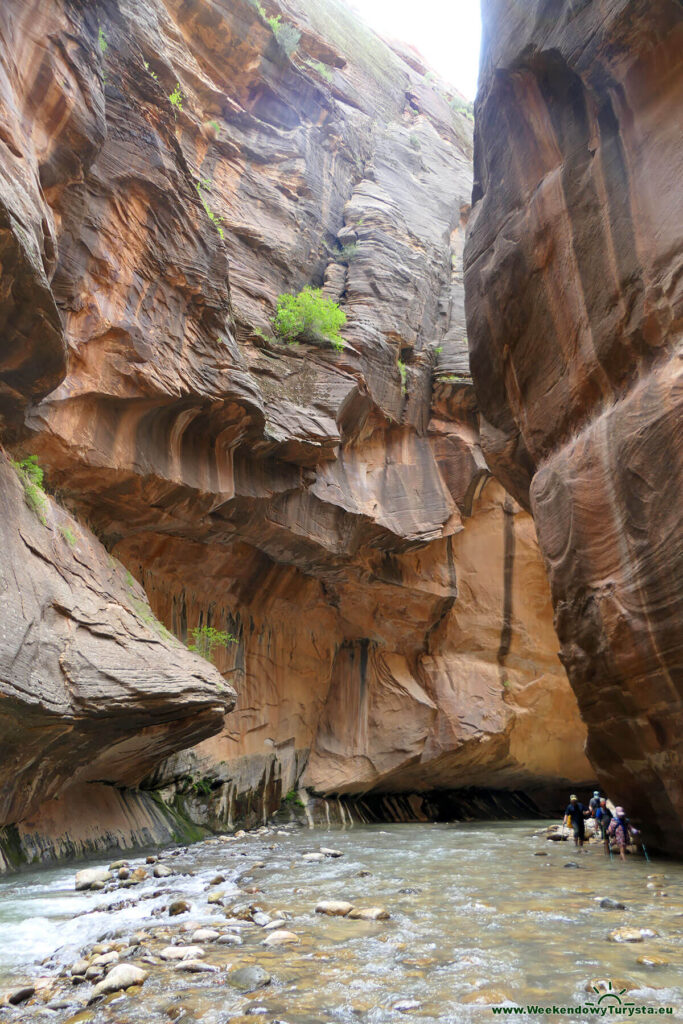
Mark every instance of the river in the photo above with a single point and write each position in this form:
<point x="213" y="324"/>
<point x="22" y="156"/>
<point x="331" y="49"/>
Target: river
<point x="481" y="914"/>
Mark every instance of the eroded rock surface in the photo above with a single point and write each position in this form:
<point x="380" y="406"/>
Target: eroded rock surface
<point x="92" y="687"/>
<point x="330" y="509"/>
<point x="574" y="300"/>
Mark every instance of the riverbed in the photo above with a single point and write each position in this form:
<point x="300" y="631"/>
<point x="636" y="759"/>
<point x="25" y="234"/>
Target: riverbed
<point x="481" y="915"/>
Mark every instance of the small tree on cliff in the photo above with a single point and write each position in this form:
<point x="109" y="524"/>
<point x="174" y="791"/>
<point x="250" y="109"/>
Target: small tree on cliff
<point x="309" y="316"/>
<point x="205" y="640"/>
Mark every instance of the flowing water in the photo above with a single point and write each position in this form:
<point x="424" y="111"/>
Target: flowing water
<point x="477" y="919"/>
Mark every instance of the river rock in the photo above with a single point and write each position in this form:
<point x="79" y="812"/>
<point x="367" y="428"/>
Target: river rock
<point x="217" y="880"/>
<point x="161" y="871"/>
<point x="273" y="925"/>
<point x="609" y="904"/>
<point x="196" y="967"/>
<point x="179" y="907"/>
<point x="631" y="934"/>
<point x="249" y="979"/>
<point x="369" y="914"/>
<point x="281" y="938"/>
<point x="205" y="935"/>
<point x="602" y="985"/>
<point x="120" y="977"/>
<point x="86" y="878"/>
<point x="19" y="995"/>
<point x="123" y="874"/>
<point x="406" y="1005"/>
<point x="138" y="875"/>
<point x="327" y="852"/>
<point x="230" y="939"/>
<point x="216" y="897"/>
<point x="313" y="856"/>
<point x="181" y="953"/>
<point x="334" y="908"/>
<point x="105" y="959"/>
<point x="260" y="918"/>
<point x="152" y="859"/>
<point x="80" y="966"/>
<point x="93" y="973"/>
<point x="649" y="960"/>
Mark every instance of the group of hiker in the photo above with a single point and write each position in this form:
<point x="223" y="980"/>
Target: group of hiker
<point x="613" y="825"/>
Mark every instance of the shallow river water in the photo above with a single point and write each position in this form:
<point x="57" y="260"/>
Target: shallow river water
<point x="478" y="919"/>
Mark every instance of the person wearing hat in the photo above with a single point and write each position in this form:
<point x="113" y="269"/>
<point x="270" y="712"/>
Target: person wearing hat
<point x="594" y="802"/>
<point x="620" y="828"/>
<point x="574" y="816"/>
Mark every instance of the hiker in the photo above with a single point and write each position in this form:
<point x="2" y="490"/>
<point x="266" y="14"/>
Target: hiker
<point x="594" y="802"/>
<point x="603" y="817"/>
<point x="622" y="830"/>
<point x="574" y="816"/>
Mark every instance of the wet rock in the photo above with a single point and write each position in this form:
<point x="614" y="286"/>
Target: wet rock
<point x="256" y="1011"/>
<point x="217" y="880"/>
<point x="313" y="856"/>
<point x="369" y="914"/>
<point x="88" y="877"/>
<point x="649" y="960"/>
<point x="161" y="871"/>
<point x="571" y="864"/>
<point x="281" y="938"/>
<point x="139" y="875"/>
<point x="249" y="979"/>
<point x="179" y="907"/>
<point x="120" y="977"/>
<point x="105" y="959"/>
<point x="406" y="1005"/>
<point x="240" y="833"/>
<point x="261" y="919"/>
<point x="602" y="985"/>
<point x="97" y="885"/>
<point x="609" y="904"/>
<point x="181" y="953"/>
<point x="115" y="865"/>
<point x="205" y="935"/>
<point x="334" y="908"/>
<point x="19" y="995"/>
<point x="273" y="925"/>
<point x="327" y="852"/>
<point x="631" y="934"/>
<point x="196" y="967"/>
<point x="230" y="939"/>
<point x="93" y="973"/>
<point x="409" y="891"/>
<point x="152" y="859"/>
<point x="364" y="874"/>
<point x="59" y="1004"/>
<point x="123" y="874"/>
<point x="80" y="967"/>
<point x="216" y="897"/>
<point x="540" y="853"/>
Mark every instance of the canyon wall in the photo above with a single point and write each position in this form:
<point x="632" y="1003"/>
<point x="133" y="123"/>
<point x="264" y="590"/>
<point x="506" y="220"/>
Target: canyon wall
<point x="168" y="169"/>
<point x="574" y="301"/>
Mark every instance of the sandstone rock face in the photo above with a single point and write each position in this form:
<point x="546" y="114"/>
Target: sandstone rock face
<point x="574" y="307"/>
<point x="92" y="687"/>
<point x="330" y="509"/>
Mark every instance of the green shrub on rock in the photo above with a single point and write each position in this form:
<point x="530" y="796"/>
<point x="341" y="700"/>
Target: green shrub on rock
<point x="309" y="316"/>
<point x="205" y="639"/>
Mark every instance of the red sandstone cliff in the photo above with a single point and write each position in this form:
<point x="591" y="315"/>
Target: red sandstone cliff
<point x="574" y="302"/>
<point x="390" y="604"/>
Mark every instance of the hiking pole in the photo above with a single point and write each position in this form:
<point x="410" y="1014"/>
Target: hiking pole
<point x="645" y="851"/>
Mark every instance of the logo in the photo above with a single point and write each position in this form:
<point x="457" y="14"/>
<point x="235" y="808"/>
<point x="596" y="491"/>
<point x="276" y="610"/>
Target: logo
<point x="610" y="998"/>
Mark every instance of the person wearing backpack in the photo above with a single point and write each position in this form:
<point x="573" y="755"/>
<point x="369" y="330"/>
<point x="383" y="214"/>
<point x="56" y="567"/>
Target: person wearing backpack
<point x="603" y="817"/>
<point x="621" y="830"/>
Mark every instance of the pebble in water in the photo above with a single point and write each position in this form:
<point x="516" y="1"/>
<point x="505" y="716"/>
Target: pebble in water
<point x="120" y="977"/>
<point x="249" y="979"/>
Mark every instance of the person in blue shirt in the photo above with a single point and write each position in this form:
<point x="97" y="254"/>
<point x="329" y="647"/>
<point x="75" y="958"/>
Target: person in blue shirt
<point x="603" y="817"/>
